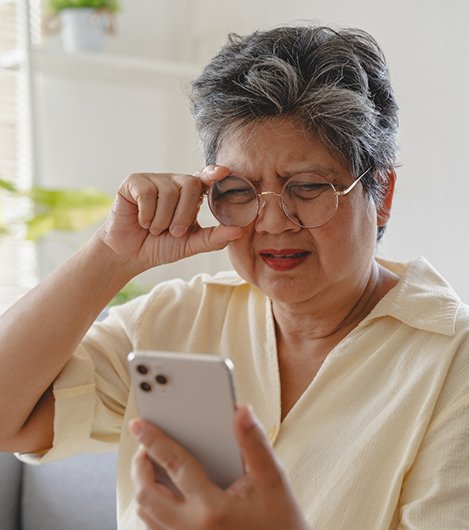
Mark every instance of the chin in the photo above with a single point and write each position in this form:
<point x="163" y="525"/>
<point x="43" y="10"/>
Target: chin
<point x="286" y="290"/>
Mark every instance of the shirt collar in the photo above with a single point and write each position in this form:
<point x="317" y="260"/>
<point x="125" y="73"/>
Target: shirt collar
<point x="422" y="298"/>
<point x="230" y="278"/>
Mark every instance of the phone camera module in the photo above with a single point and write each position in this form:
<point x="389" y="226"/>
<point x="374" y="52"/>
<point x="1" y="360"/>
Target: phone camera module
<point x="161" y="379"/>
<point x="145" y="387"/>
<point x="142" y="369"/>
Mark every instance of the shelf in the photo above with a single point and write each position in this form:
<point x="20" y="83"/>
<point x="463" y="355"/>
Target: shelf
<point x="103" y="67"/>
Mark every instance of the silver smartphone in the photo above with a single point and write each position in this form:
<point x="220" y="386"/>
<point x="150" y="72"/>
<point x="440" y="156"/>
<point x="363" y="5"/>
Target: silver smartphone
<point x="191" y="398"/>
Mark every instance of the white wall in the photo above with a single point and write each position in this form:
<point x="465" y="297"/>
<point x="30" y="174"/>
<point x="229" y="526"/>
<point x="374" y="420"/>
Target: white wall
<point x="426" y="43"/>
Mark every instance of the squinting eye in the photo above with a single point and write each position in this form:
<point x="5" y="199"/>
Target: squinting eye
<point x="307" y="191"/>
<point x="237" y="195"/>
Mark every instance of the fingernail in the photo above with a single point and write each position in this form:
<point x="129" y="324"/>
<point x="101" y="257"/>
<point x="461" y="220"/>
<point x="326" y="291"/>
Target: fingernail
<point x="155" y="232"/>
<point x="146" y="226"/>
<point x="136" y="428"/>
<point x="178" y="231"/>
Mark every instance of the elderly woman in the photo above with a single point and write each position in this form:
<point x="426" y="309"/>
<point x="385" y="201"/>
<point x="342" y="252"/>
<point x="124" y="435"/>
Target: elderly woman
<point x="357" y="369"/>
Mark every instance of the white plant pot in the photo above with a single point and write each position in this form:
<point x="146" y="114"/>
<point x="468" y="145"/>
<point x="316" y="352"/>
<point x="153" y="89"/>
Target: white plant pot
<point x="82" y="29"/>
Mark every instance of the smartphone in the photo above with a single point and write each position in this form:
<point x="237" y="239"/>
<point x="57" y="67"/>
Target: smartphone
<point x="191" y="398"/>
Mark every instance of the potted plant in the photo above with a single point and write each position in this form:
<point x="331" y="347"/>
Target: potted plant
<point x="65" y="210"/>
<point x="82" y="23"/>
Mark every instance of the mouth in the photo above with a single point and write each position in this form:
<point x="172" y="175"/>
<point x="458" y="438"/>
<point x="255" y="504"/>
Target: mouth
<point x="284" y="259"/>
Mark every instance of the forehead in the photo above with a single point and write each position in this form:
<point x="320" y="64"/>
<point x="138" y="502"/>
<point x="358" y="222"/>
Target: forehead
<point x="280" y="146"/>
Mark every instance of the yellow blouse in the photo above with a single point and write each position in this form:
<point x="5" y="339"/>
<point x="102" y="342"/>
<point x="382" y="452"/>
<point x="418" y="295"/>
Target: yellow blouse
<point x="379" y="440"/>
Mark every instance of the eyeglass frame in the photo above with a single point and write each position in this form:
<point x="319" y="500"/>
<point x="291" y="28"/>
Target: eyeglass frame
<point x="261" y="204"/>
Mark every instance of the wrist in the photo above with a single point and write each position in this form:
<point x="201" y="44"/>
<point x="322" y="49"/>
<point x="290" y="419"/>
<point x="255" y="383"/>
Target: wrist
<point x="112" y="262"/>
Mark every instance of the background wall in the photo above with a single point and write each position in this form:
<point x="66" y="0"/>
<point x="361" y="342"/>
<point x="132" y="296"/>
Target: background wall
<point x="98" y="132"/>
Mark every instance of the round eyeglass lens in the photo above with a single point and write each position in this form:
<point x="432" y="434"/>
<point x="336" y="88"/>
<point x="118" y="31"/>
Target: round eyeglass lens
<point x="233" y="201"/>
<point x="309" y="200"/>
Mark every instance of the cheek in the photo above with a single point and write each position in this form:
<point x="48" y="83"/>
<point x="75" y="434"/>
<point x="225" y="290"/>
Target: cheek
<point x="363" y="229"/>
<point x="241" y="255"/>
<point x="353" y="230"/>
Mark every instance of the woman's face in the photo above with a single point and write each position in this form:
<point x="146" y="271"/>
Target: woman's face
<point x="290" y="264"/>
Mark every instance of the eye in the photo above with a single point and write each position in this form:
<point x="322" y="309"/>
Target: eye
<point x="233" y="190"/>
<point x="308" y="191"/>
<point x="238" y="195"/>
<point x="307" y="187"/>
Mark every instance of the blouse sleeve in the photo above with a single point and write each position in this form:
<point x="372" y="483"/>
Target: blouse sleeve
<point x="91" y="392"/>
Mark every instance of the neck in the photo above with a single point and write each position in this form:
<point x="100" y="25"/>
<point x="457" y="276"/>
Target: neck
<point x="326" y="321"/>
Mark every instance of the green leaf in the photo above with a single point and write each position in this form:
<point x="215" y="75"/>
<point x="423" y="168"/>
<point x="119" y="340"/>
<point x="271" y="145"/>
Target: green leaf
<point x="129" y="292"/>
<point x="71" y="210"/>
<point x="38" y="226"/>
<point x="6" y="185"/>
<point x="58" y="5"/>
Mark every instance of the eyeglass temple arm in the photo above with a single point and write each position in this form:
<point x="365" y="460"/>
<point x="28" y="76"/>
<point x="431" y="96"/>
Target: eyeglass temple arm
<point x="354" y="183"/>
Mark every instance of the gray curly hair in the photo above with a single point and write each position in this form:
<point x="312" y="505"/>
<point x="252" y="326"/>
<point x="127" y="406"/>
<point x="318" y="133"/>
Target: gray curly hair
<point x="334" y="82"/>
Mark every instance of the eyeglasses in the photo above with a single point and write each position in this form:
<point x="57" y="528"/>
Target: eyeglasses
<point x="307" y="199"/>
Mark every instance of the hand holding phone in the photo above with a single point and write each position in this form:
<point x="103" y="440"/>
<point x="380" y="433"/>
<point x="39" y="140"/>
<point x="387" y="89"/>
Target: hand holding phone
<point x="191" y="398"/>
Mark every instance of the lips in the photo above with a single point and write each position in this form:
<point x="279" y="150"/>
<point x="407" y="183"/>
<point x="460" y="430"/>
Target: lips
<point x="283" y="259"/>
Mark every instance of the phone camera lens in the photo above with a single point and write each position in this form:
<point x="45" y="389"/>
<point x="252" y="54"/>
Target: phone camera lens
<point x="145" y="387"/>
<point x="142" y="369"/>
<point x="161" y="379"/>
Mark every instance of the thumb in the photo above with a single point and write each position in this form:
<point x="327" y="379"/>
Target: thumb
<point x="258" y="455"/>
<point x="214" y="238"/>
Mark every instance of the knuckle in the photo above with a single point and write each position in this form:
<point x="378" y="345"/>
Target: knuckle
<point x="134" y="179"/>
<point x="190" y="183"/>
<point x="173" y="462"/>
<point x="172" y="193"/>
<point x="194" y="185"/>
<point x="145" y="194"/>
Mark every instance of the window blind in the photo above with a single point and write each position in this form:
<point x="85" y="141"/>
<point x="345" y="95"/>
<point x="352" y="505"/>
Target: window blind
<point x="17" y="256"/>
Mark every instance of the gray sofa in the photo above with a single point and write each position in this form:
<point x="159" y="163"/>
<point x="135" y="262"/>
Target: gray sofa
<point x="74" y="494"/>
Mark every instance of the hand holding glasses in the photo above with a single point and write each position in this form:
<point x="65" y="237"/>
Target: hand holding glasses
<point x="307" y="199"/>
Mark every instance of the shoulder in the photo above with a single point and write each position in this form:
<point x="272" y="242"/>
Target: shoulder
<point x="190" y="315"/>
<point x="183" y="297"/>
<point x="201" y="284"/>
<point x="423" y="299"/>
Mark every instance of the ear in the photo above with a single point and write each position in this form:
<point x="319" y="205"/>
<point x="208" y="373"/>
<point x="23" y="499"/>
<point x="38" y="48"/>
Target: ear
<point x="384" y="209"/>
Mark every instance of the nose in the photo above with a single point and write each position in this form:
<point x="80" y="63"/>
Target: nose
<point x="271" y="218"/>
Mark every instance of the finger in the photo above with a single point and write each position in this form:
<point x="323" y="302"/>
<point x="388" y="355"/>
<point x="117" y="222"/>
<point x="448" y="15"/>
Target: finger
<point x="258" y="455"/>
<point x="212" y="173"/>
<point x="168" y="195"/>
<point x="150" y="523"/>
<point x="155" y="502"/>
<point x="188" y="204"/>
<point x="182" y="468"/>
<point x="140" y="190"/>
<point x="213" y="238"/>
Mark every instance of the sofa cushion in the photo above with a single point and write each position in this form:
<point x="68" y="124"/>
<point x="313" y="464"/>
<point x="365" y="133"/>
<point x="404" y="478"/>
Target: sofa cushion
<point x="74" y="494"/>
<point x="10" y="491"/>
